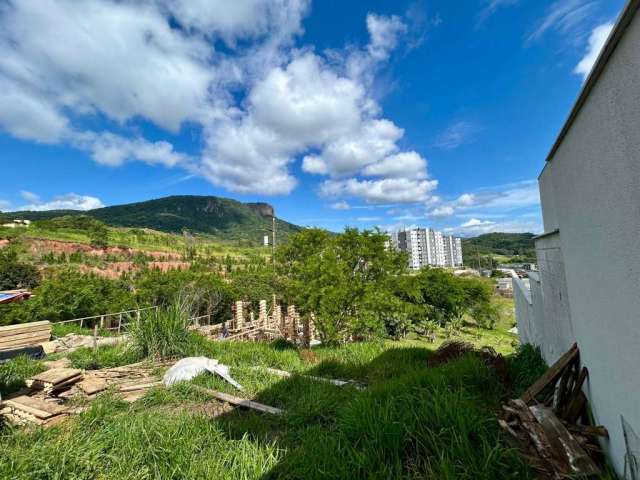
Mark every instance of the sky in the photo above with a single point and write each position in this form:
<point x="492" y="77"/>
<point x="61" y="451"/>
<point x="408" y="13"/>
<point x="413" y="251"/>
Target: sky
<point x="389" y="114"/>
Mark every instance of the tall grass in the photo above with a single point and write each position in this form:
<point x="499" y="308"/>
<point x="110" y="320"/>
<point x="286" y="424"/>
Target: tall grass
<point x="14" y="372"/>
<point x="163" y="333"/>
<point x="410" y="422"/>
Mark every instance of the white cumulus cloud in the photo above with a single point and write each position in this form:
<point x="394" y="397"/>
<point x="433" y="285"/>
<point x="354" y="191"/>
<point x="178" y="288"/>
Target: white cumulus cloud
<point x="257" y="106"/>
<point x="70" y="201"/>
<point x="597" y="40"/>
<point x="388" y="190"/>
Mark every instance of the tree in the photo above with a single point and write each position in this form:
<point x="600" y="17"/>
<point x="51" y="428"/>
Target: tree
<point x="206" y="292"/>
<point x="345" y="280"/>
<point x="99" y="235"/>
<point x="16" y="274"/>
<point x="446" y="298"/>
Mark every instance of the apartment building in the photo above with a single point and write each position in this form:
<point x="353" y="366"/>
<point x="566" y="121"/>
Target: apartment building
<point x="426" y="246"/>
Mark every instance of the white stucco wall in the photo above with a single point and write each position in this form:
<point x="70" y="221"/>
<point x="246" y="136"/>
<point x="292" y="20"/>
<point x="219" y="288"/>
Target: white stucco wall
<point x="590" y="269"/>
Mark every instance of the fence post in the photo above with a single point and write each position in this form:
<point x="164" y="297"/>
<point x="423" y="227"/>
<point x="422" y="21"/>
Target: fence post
<point x="95" y="337"/>
<point x="101" y="321"/>
<point x="262" y="316"/>
<point x="119" y="323"/>
<point x="239" y="315"/>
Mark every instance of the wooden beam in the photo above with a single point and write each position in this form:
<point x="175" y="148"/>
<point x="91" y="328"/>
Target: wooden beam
<point x="564" y="443"/>
<point x="241" y="402"/>
<point x="551" y="375"/>
<point x="285" y="374"/>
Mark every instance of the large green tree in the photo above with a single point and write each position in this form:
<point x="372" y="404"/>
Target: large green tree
<point x="445" y="298"/>
<point x="345" y="280"/>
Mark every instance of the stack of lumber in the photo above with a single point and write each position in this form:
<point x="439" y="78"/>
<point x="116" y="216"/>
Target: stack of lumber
<point x="25" y="409"/>
<point x="550" y="422"/>
<point x="55" y="380"/>
<point x="24" y="334"/>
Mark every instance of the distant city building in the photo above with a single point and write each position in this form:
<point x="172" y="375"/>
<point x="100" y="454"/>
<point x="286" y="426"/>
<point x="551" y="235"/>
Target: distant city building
<point x="426" y="246"/>
<point x="17" y="223"/>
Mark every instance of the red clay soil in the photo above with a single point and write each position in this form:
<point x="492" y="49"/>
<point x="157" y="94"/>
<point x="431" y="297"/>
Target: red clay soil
<point x="113" y="270"/>
<point x="57" y="246"/>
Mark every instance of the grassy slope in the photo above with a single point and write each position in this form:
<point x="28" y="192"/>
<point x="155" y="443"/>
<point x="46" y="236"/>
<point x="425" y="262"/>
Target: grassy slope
<point x="145" y="240"/>
<point x="500" y="246"/>
<point x="411" y="422"/>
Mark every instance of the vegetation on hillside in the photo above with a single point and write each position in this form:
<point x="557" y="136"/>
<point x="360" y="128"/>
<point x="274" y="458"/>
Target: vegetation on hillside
<point x="14" y="273"/>
<point x="490" y="249"/>
<point x="222" y="218"/>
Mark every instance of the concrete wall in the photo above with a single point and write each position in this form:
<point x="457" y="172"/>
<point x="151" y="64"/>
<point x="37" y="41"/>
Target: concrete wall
<point x="590" y="269"/>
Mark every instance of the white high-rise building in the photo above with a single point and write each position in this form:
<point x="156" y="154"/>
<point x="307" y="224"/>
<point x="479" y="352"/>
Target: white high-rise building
<point x="426" y="246"/>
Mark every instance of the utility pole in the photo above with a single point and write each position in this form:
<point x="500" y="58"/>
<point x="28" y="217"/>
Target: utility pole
<point x="273" y="240"/>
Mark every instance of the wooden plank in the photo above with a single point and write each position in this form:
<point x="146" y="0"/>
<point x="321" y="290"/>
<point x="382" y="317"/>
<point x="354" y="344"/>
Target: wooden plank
<point x="24" y="342"/>
<point x="551" y="375"/>
<point x="56" y="375"/>
<point x="92" y="385"/>
<point x="588" y="430"/>
<point x="35" y="406"/>
<point x="139" y="386"/>
<point x="564" y="443"/>
<point x="22" y="335"/>
<point x="241" y="402"/>
<point x="575" y="408"/>
<point x="539" y="439"/>
<point x="285" y="374"/>
<point x="8" y="329"/>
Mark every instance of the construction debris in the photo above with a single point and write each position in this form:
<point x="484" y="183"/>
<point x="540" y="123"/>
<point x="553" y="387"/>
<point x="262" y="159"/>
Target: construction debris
<point x="241" y="402"/>
<point x="25" y="409"/>
<point x="54" y="380"/>
<point x="24" y="334"/>
<point x="190" y="367"/>
<point x="285" y="374"/>
<point x="549" y="423"/>
<point x="73" y="341"/>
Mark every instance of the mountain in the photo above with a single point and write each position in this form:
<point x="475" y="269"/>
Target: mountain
<point x="502" y="244"/>
<point x="223" y="218"/>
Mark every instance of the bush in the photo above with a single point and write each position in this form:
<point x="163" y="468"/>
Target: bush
<point x="15" y="274"/>
<point x="163" y="333"/>
<point x="208" y="293"/>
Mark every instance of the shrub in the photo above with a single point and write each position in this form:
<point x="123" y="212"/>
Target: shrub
<point x="163" y="333"/>
<point x="15" y="274"/>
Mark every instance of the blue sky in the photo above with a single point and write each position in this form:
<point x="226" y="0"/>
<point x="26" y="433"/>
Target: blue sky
<point x="361" y="113"/>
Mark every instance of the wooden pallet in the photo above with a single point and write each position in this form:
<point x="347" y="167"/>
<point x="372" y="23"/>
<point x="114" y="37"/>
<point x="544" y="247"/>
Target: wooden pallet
<point x="24" y="334"/>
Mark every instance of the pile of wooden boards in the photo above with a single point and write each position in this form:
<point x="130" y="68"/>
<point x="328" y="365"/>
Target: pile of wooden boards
<point x="54" y="381"/>
<point x="27" y="409"/>
<point x="550" y="422"/>
<point x="32" y="333"/>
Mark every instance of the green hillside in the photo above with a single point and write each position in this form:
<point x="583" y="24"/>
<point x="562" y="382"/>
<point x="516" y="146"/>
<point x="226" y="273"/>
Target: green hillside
<point x="502" y="247"/>
<point x="222" y="218"/>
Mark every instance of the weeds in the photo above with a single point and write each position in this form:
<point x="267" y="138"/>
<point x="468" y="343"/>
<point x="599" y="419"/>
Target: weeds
<point x="411" y="422"/>
<point x="107" y="356"/>
<point x="162" y="334"/>
<point x="14" y="372"/>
